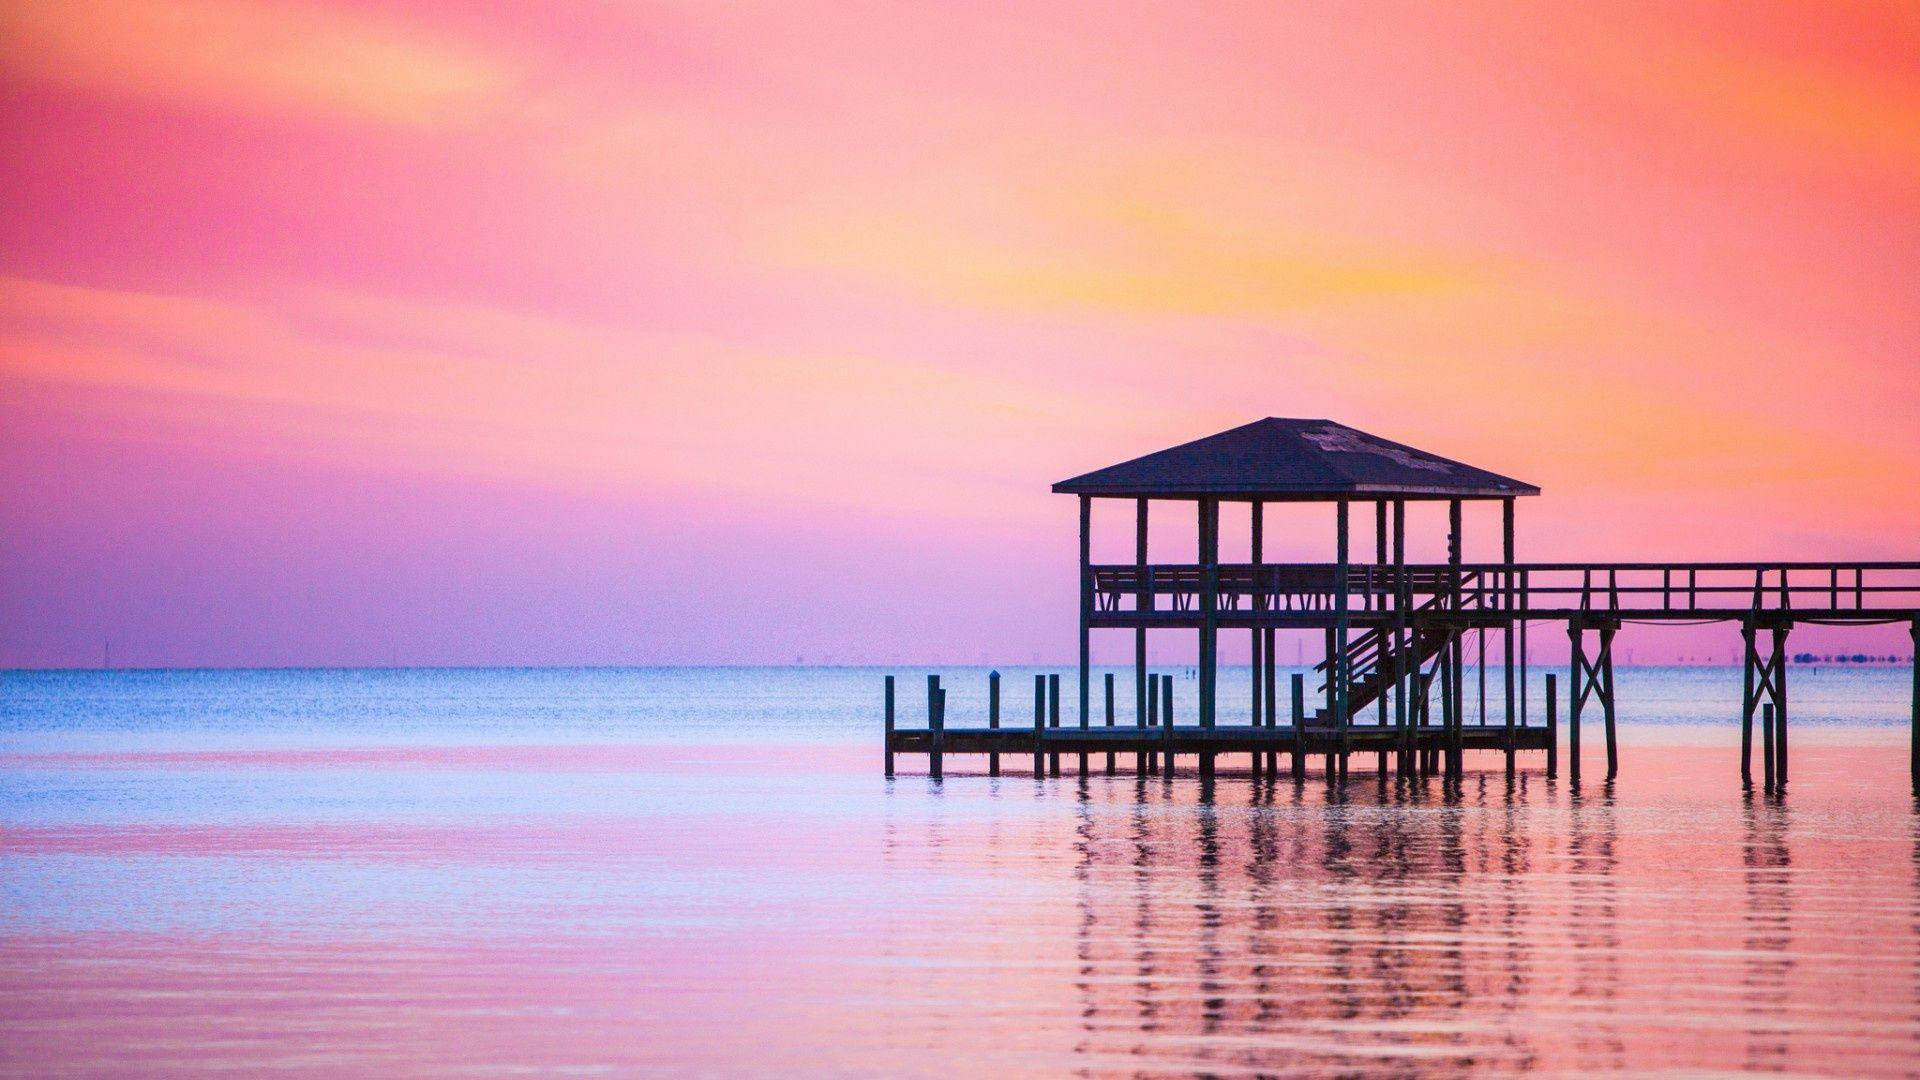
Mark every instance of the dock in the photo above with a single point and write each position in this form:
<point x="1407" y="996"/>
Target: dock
<point x="1394" y="634"/>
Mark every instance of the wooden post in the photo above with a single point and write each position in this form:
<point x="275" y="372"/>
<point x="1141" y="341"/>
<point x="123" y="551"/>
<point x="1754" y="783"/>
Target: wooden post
<point x="1166" y="719"/>
<point x="1606" y="703"/>
<point x="1747" y="632"/>
<point x="1780" y="698"/>
<point x="1913" y="736"/>
<point x="1209" y="621"/>
<point x="1153" y="721"/>
<point x="1256" y="511"/>
<point x="1299" y="726"/>
<point x="1333" y="693"/>
<point x="1402" y="600"/>
<point x="1576" y="636"/>
<point x="1039" y="725"/>
<point x="993" y="719"/>
<point x="889" y="725"/>
<point x="1109" y="719"/>
<point x="1553" y="727"/>
<point x="1506" y="603"/>
<point x="1086" y="613"/>
<point x="1141" y="762"/>
<point x="1766" y="743"/>
<point x="1053" y="719"/>
<point x="1380" y="632"/>
<point x="1446" y="708"/>
<point x="1456" y="693"/>
<point x="1268" y="694"/>
<point x="1337" y="670"/>
<point x="936" y="725"/>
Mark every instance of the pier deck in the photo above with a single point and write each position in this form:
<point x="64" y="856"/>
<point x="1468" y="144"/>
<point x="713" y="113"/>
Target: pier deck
<point x="1186" y="739"/>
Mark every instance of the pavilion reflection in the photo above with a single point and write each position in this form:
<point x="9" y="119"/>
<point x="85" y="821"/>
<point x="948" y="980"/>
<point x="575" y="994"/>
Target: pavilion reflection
<point x="1255" y="927"/>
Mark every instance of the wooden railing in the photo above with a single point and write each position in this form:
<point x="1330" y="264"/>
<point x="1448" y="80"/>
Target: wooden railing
<point x="1603" y="588"/>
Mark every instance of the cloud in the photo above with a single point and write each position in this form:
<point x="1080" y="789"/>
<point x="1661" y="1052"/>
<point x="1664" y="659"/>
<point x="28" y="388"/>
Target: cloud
<point x="257" y="57"/>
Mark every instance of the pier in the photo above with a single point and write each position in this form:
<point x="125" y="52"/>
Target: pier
<point x="1394" y="635"/>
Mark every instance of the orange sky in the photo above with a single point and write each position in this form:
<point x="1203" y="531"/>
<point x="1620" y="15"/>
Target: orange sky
<point x="696" y="332"/>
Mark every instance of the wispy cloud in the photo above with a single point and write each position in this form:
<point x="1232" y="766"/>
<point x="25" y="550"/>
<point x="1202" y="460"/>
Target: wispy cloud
<point x="266" y="56"/>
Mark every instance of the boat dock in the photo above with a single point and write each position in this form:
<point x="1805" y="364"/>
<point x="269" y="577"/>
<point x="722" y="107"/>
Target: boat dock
<point x="1395" y="634"/>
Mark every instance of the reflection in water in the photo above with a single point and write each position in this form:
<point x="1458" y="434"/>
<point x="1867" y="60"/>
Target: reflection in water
<point x="1768" y="920"/>
<point x="1263" y="927"/>
<point x="733" y="915"/>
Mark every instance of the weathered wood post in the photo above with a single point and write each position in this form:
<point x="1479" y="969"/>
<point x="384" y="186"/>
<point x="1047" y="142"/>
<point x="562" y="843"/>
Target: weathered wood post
<point x="1053" y="720"/>
<point x="1140" y="716"/>
<point x="1507" y="598"/>
<point x="936" y="725"/>
<point x="1109" y="719"/>
<point x="1376" y="598"/>
<point x="1606" y="703"/>
<point x="1299" y="726"/>
<point x="1039" y="725"/>
<point x="1337" y="670"/>
<point x="1780" y="693"/>
<point x="1766" y="743"/>
<point x="1086" y="615"/>
<point x="1747" y="632"/>
<point x="1268" y="694"/>
<point x="1576" y="635"/>
<point x="1257" y="664"/>
<point x="1166" y="718"/>
<point x="1402" y="642"/>
<point x="1153" y="722"/>
<point x="1209" y="624"/>
<point x="889" y="725"/>
<point x="1446" y="708"/>
<point x="1142" y="602"/>
<point x="1553" y="726"/>
<point x="1913" y="737"/>
<point x="1456" y="695"/>
<point x="1328" y="709"/>
<point x="993" y="719"/>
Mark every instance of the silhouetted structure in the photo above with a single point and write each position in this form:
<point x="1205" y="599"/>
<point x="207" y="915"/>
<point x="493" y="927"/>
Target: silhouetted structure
<point x="1394" y="632"/>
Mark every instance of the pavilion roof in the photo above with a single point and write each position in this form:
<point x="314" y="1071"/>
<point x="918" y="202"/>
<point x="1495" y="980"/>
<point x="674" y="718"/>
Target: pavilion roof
<point x="1281" y="458"/>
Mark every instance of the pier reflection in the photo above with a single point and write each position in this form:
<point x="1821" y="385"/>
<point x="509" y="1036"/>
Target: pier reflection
<point x="1515" y="924"/>
<point x="1271" y="927"/>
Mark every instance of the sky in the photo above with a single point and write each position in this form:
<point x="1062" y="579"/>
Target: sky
<point x="597" y="332"/>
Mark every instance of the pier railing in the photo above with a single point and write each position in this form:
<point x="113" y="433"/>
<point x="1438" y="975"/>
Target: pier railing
<point x="1718" y="589"/>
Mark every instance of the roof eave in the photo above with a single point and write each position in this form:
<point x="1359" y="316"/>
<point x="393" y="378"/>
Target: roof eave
<point x="1330" y="491"/>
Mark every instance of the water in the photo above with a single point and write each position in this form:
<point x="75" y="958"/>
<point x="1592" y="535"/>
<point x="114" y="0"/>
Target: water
<point x="701" y="872"/>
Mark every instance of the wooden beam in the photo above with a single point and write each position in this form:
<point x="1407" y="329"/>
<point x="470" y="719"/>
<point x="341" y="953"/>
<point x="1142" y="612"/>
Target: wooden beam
<point x="1144" y="603"/>
<point x="1209" y="619"/>
<point x="993" y="718"/>
<point x="1053" y="719"/>
<point x="1913" y="735"/>
<point x="889" y="727"/>
<point x="1337" y="669"/>
<point x="1508" y="595"/>
<point x="1039" y="725"/>
<point x="1553" y="727"/>
<point x="1086" y="612"/>
<point x="936" y="724"/>
<point x="1110" y="762"/>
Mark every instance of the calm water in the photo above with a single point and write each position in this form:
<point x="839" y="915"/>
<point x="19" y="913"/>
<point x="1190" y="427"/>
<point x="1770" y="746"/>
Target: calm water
<point x="688" y="872"/>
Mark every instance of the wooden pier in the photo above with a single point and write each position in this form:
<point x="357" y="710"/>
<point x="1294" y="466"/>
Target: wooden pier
<point x="1395" y="632"/>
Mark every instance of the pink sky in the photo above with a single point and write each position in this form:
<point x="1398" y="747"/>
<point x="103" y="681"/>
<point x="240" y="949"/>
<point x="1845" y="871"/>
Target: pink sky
<point x="732" y="333"/>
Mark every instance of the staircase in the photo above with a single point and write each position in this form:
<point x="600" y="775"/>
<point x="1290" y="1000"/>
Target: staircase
<point x="1371" y="660"/>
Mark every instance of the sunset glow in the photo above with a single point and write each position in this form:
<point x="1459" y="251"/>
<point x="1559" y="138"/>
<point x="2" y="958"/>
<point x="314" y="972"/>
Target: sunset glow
<point x="687" y="332"/>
